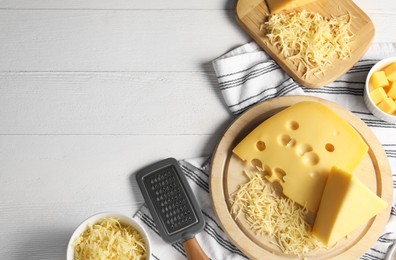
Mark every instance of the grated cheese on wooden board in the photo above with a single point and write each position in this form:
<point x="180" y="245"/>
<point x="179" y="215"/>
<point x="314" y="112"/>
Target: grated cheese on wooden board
<point x="109" y="240"/>
<point x="309" y="39"/>
<point x="275" y="216"/>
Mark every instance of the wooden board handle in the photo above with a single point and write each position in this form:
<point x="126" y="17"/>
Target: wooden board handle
<point x="194" y="250"/>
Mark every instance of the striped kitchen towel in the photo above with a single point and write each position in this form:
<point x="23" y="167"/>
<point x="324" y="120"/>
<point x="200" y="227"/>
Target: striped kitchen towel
<point x="247" y="76"/>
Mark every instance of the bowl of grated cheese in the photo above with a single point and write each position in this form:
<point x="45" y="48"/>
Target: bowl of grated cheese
<point x="109" y="235"/>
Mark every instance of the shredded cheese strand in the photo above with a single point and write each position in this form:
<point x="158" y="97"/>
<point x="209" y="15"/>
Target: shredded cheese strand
<point x="309" y="39"/>
<point x="274" y="216"/>
<point x="110" y="240"/>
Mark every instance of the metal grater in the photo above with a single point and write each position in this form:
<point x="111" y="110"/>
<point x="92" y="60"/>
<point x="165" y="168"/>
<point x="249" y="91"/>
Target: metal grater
<point x="170" y="200"/>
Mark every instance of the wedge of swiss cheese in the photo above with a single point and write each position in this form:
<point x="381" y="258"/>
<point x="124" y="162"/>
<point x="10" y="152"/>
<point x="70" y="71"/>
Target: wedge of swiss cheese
<point x="345" y="206"/>
<point x="277" y="6"/>
<point x="298" y="146"/>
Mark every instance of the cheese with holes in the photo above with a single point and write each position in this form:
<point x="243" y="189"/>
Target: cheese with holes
<point x="298" y="146"/>
<point x="345" y="206"/>
<point x="276" y="6"/>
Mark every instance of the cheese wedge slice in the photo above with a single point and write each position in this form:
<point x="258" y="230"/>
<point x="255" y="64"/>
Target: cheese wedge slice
<point x="277" y="6"/>
<point x="345" y="206"/>
<point x="298" y="146"/>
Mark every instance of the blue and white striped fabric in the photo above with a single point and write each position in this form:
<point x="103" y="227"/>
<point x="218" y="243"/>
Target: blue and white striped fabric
<point x="247" y="76"/>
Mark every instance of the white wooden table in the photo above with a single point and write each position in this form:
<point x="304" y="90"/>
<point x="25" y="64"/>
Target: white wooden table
<point x="91" y="91"/>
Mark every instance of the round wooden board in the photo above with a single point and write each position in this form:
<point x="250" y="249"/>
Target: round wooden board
<point x="226" y="176"/>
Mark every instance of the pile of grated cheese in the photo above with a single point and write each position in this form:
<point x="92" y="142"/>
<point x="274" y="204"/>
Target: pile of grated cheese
<point x="109" y="240"/>
<point x="309" y="39"/>
<point x="274" y="216"/>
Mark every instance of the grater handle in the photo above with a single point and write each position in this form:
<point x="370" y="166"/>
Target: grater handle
<point x="194" y="250"/>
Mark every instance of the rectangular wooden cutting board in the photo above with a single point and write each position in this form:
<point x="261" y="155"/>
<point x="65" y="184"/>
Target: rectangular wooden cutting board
<point x="251" y="14"/>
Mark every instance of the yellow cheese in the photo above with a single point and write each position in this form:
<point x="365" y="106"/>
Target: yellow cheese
<point x="345" y="206"/>
<point x="387" y="105"/>
<point x="379" y="80"/>
<point x="309" y="40"/>
<point x="298" y="146"/>
<point x="392" y="90"/>
<point x="390" y="72"/>
<point x="277" y="6"/>
<point x="377" y="95"/>
<point x="109" y="239"/>
<point x="275" y="216"/>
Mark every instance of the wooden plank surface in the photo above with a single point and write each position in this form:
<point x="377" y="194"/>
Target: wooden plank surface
<point x="117" y="4"/>
<point x="85" y="40"/>
<point x="115" y="40"/>
<point x="386" y="5"/>
<point x="112" y="102"/>
<point x="94" y="90"/>
<point x="50" y="183"/>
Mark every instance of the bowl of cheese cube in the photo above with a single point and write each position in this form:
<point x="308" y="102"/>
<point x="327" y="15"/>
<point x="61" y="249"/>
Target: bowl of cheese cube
<point x="380" y="90"/>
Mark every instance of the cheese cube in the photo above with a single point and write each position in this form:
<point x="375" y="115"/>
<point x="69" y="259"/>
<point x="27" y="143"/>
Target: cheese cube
<point x="387" y="105"/>
<point x="378" y="80"/>
<point x="377" y="95"/>
<point x="298" y="152"/>
<point x="346" y="205"/>
<point x="392" y="90"/>
<point x="390" y="72"/>
<point x="276" y="6"/>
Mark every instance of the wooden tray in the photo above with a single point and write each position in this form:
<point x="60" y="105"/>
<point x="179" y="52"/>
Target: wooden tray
<point x="250" y="15"/>
<point x="226" y="176"/>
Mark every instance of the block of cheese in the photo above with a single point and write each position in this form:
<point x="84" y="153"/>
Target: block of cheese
<point x="387" y="105"/>
<point x="345" y="206"/>
<point x="379" y="80"/>
<point x="377" y="95"/>
<point x="392" y="90"/>
<point x="276" y="6"/>
<point x="298" y="146"/>
<point x="390" y="72"/>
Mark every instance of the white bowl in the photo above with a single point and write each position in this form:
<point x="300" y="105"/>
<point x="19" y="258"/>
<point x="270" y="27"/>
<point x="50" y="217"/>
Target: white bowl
<point x="127" y="221"/>
<point x="374" y="109"/>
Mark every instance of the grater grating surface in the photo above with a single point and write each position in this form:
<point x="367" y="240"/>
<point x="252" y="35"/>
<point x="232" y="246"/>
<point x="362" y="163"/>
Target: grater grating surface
<point x="172" y="204"/>
<point x="170" y="200"/>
